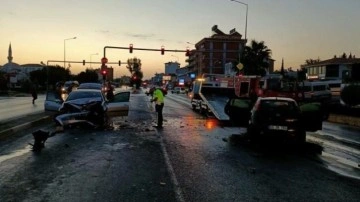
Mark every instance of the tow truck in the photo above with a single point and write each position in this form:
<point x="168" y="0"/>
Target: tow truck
<point x="210" y="93"/>
<point x="231" y="97"/>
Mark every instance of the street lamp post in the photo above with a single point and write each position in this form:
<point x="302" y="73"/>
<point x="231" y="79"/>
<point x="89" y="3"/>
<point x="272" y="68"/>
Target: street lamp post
<point x="65" y="48"/>
<point x="246" y="15"/>
<point x="47" y="75"/>
<point x="91" y="56"/>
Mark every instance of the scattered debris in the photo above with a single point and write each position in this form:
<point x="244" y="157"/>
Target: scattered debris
<point x="40" y="137"/>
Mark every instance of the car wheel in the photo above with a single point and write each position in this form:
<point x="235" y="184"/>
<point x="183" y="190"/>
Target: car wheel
<point x="301" y="138"/>
<point x="252" y="134"/>
<point x="193" y="107"/>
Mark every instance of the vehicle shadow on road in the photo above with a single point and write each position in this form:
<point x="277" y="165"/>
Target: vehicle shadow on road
<point x="273" y="147"/>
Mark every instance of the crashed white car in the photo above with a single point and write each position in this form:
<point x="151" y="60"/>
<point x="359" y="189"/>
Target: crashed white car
<point x="86" y="106"/>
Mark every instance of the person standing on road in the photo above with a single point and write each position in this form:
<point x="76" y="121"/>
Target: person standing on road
<point x="109" y="91"/>
<point x="158" y="98"/>
<point x="33" y="94"/>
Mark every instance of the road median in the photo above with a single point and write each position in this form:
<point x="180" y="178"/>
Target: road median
<point x="15" y="125"/>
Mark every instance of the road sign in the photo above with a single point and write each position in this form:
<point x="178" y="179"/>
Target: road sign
<point x="104" y="60"/>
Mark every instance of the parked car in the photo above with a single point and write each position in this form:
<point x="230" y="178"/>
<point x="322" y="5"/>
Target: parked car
<point x="74" y="109"/>
<point x="316" y="91"/>
<point x="281" y="119"/>
<point x="178" y="90"/>
<point x="90" y="85"/>
<point x="69" y="86"/>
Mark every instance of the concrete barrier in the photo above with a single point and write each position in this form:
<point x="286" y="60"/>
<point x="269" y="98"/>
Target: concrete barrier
<point x="342" y="119"/>
<point x="14" y="129"/>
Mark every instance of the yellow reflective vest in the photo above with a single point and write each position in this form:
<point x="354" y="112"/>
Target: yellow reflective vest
<point x="158" y="96"/>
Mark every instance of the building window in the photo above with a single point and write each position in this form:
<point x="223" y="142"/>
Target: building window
<point x="332" y="71"/>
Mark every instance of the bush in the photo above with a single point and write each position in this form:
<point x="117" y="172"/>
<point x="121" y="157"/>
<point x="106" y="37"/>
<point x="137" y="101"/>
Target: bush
<point x="350" y="95"/>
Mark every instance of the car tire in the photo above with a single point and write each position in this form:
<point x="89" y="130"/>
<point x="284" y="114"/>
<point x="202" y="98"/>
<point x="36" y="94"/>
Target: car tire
<point x="193" y="107"/>
<point x="252" y="134"/>
<point x="301" y="139"/>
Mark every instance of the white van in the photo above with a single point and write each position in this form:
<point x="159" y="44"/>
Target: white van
<point x="178" y="90"/>
<point x="316" y="91"/>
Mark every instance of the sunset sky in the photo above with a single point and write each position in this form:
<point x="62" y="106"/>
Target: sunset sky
<point x="295" y="30"/>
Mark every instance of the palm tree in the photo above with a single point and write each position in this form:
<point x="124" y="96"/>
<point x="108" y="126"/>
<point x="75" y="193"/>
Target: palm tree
<point x="256" y="58"/>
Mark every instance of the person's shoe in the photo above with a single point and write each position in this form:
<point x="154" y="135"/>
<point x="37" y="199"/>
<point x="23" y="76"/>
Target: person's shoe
<point x="158" y="127"/>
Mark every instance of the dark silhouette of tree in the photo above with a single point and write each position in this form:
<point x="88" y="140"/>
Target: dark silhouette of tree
<point x="312" y="61"/>
<point x="51" y="74"/>
<point x="89" y="75"/>
<point x="344" y="55"/>
<point x="256" y="58"/>
<point x="134" y="67"/>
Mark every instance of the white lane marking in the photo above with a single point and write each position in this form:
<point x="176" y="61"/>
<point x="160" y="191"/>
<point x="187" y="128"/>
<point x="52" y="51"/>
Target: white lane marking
<point x="328" y="143"/>
<point x="178" y="192"/>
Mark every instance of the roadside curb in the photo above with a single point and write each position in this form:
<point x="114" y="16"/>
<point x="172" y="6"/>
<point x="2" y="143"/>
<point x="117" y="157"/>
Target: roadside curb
<point x="8" y="132"/>
<point x="342" y="119"/>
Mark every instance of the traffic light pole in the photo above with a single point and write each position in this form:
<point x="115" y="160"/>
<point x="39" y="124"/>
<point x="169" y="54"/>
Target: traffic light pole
<point x="58" y="61"/>
<point x="142" y="49"/>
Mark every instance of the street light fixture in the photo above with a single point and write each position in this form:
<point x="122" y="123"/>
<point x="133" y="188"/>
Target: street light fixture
<point x="190" y="43"/>
<point x="246" y="15"/>
<point x="91" y="56"/>
<point x="65" y="48"/>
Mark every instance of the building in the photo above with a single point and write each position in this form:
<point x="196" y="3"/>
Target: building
<point x="171" y="67"/>
<point x="17" y="73"/>
<point x="212" y="53"/>
<point x="335" y="68"/>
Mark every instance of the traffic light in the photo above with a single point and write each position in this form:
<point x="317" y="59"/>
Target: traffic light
<point x="162" y="50"/>
<point x="130" y="48"/>
<point x="119" y="62"/>
<point x="187" y="52"/>
<point x="104" y="72"/>
<point x="84" y="62"/>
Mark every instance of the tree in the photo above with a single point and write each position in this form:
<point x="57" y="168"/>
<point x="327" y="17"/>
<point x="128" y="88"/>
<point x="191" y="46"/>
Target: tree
<point x="88" y="75"/>
<point x="51" y="74"/>
<point x="255" y="58"/>
<point x="344" y="55"/>
<point x="312" y="61"/>
<point x="134" y="67"/>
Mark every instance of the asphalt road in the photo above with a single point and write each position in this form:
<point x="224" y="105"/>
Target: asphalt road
<point x="193" y="158"/>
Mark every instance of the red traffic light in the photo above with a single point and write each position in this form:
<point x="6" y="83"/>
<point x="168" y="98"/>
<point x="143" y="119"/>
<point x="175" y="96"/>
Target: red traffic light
<point x="131" y="48"/>
<point x="162" y="50"/>
<point x="103" y="72"/>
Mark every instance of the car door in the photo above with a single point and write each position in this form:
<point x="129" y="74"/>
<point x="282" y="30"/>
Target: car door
<point x="312" y="116"/>
<point x="238" y="110"/>
<point x="52" y="102"/>
<point x="119" y="106"/>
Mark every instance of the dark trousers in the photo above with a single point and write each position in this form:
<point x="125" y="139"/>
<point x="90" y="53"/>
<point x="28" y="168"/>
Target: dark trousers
<point x="159" y="109"/>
